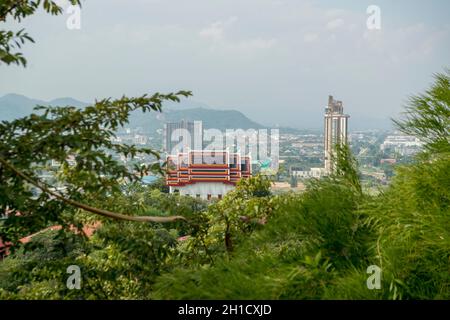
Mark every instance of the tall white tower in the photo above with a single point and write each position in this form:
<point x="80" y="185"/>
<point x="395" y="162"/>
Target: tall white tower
<point x="336" y="129"/>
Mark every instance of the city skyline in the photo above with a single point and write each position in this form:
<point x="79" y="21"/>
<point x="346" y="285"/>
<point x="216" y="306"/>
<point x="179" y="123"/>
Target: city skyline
<point x="270" y="66"/>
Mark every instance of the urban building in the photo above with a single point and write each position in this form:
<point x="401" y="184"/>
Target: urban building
<point x="336" y="130"/>
<point x="306" y="174"/>
<point x="206" y="174"/>
<point x="183" y="135"/>
<point x="401" y="144"/>
<point x="390" y="161"/>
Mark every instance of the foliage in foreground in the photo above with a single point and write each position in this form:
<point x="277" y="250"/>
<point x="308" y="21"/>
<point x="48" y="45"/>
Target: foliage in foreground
<point x="315" y="245"/>
<point x="254" y="245"/>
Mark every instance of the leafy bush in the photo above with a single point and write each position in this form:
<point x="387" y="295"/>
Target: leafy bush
<point x="255" y="245"/>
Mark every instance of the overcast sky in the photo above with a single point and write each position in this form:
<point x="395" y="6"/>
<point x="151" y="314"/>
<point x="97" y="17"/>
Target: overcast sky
<point x="274" y="60"/>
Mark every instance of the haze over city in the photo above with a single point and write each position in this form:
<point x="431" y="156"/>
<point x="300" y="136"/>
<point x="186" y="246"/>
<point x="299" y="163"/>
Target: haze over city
<point x="274" y="60"/>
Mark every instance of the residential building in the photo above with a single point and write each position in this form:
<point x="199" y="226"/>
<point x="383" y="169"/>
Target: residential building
<point x="183" y="135"/>
<point x="336" y="130"/>
<point x="312" y="173"/>
<point x="402" y="144"/>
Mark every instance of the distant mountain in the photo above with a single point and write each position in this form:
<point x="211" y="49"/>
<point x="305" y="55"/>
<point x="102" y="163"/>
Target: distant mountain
<point x="68" y="102"/>
<point x="219" y="119"/>
<point x="185" y="103"/>
<point x="13" y="106"/>
<point x="296" y="131"/>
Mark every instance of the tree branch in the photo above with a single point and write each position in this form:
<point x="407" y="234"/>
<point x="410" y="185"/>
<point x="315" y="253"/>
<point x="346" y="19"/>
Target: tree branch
<point x="10" y="9"/>
<point x="88" y="208"/>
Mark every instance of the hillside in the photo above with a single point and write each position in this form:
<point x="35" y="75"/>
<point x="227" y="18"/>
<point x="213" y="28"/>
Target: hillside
<point x="14" y="106"/>
<point x="220" y="119"/>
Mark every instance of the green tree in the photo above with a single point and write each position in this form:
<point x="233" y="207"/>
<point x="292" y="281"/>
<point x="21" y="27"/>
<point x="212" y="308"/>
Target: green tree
<point x="427" y="115"/>
<point x="309" y="241"/>
<point x="413" y="215"/>
<point x="11" y="41"/>
<point x="294" y="181"/>
<point x="29" y="144"/>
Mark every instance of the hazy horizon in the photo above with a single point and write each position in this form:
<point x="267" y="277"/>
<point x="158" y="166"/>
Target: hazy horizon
<point x="275" y="61"/>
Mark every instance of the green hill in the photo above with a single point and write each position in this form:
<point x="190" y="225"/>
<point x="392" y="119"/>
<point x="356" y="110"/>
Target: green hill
<point x="13" y="106"/>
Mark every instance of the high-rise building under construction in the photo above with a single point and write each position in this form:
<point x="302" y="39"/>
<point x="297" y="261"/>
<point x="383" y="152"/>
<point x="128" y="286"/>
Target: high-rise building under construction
<point x="336" y="129"/>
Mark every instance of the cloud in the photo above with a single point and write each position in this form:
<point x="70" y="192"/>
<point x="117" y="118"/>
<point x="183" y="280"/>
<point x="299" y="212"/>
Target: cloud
<point x="335" y="12"/>
<point x="311" y="37"/>
<point x="256" y="43"/>
<point x="223" y="42"/>
<point x="335" y="24"/>
<point x="406" y="44"/>
<point x="216" y="30"/>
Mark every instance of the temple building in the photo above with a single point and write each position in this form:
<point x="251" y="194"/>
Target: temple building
<point x="206" y="174"/>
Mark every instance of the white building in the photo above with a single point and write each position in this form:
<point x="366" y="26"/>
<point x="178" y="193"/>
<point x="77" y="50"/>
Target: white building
<point x="402" y="144"/>
<point x="312" y="173"/>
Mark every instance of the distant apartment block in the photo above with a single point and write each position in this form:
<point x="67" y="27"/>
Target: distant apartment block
<point x="402" y="144"/>
<point x="182" y="136"/>
<point x="206" y="174"/>
<point x="312" y="173"/>
<point x="130" y="138"/>
<point x="390" y="161"/>
<point x="336" y="130"/>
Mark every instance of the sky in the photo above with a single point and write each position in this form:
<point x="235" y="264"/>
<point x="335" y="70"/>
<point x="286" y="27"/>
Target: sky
<point x="275" y="60"/>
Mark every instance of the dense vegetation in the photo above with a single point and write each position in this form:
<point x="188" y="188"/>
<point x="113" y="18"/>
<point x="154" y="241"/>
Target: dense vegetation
<point x="251" y="244"/>
<point x="255" y="245"/>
